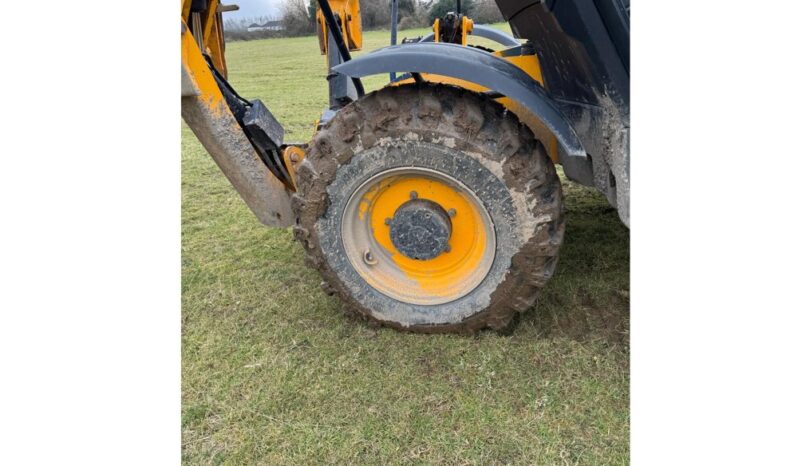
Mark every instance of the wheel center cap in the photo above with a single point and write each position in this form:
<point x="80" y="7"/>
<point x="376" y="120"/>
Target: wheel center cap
<point x="420" y="229"/>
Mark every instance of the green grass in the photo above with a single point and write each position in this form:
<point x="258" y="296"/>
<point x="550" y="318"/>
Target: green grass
<point x="273" y="373"/>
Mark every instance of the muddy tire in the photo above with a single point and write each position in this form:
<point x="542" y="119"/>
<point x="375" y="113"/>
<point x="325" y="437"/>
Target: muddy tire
<point x="459" y="148"/>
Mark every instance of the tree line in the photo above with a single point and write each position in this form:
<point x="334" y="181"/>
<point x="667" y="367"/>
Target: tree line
<point x="299" y="19"/>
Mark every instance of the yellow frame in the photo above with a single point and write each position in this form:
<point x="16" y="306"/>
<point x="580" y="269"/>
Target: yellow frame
<point x="352" y="28"/>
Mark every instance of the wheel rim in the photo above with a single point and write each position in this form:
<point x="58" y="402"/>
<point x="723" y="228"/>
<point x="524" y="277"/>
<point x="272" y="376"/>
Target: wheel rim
<point x="440" y="278"/>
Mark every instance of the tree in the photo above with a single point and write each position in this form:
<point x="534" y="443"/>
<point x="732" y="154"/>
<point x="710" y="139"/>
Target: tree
<point x="486" y="12"/>
<point x="406" y="8"/>
<point x="375" y="13"/>
<point x="295" y="18"/>
<point x="441" y="7"/>
<point x="312" y="10"/>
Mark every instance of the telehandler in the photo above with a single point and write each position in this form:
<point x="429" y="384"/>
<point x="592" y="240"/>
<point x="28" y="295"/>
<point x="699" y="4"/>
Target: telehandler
<point x="433" y="203"/>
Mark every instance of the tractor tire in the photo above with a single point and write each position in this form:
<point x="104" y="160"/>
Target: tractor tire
<point x="429" y="208"/>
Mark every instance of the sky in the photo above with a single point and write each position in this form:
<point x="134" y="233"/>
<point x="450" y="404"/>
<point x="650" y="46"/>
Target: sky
<point x="249" y="9"/>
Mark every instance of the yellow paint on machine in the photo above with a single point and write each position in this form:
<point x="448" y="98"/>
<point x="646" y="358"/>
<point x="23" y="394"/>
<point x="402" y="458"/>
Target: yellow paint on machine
<point x="351" y="29"/>
<point x="292" y="156"/>
<point x="208" y="31"/>
<point x="447" y="273"/>
<point x="197" y="69"/>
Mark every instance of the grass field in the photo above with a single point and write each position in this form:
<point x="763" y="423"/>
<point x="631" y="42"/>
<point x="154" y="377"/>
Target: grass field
<point x="273" y="373"/>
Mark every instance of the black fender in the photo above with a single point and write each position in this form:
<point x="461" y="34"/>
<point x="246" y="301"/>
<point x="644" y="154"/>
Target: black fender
<point x="487" y="32"/>
<point x="480" y="67"/>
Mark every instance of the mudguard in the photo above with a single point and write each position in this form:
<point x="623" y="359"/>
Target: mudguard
<point x="477" y="66"/>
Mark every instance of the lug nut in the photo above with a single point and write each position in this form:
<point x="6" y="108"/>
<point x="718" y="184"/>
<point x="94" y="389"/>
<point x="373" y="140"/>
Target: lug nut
<point x="388" y="220"/>
<point x="448" y="248"/>
<point x="413" y="195"/>
<point x="452" y="212"/>
<point x="369" y="258"/>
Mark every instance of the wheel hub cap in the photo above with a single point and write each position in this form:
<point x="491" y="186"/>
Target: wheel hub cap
<point x="420" y="229"/>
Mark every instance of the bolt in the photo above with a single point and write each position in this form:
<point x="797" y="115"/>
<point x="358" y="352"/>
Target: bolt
<point x="388" y="220"/>
<point x="369" y="258"/>
<point x="413" y="195"/>
<point x="448" y="248"/>
<point x="452" y="212"/>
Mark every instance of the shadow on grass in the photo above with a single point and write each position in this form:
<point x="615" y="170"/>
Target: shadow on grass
<point x="588" y="297"/>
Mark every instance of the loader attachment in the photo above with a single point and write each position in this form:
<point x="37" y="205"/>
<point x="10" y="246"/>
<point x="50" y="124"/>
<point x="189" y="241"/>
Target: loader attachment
<point x="242" y="137"/>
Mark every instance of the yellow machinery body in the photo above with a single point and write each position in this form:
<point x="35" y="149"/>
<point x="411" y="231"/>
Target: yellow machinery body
<point x="349" y="13"/>
<point x="415" y="220"/>
<point x="208" y="31"/>
<point x="205" y="110"/>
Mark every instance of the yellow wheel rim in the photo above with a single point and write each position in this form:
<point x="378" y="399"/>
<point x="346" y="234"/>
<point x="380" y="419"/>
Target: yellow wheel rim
<point x="442" y="279"/>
